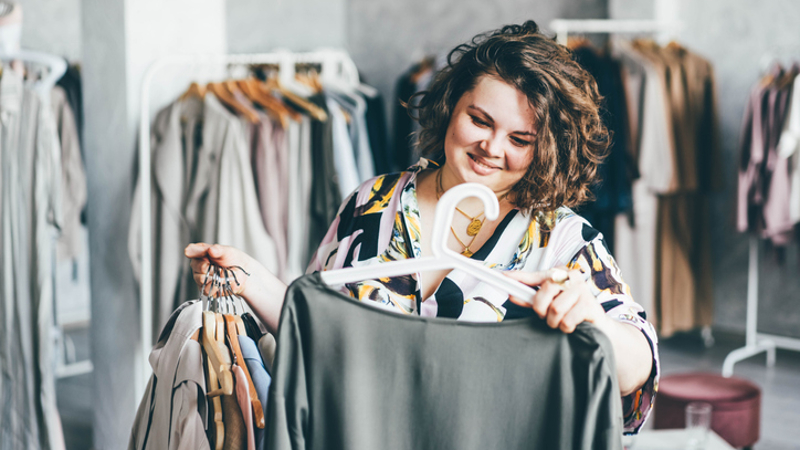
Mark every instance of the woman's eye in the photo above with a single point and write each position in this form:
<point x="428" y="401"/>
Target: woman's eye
<point x="479" y="122"/>
<point x="520" y="142"/>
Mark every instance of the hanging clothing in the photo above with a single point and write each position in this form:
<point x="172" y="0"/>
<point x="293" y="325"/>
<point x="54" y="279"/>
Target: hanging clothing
<point x="235" y="216"/>
<point x="271" y="170"/>
<point x="401" y="382"/>
<point x="778" y="226"/>
<point x="788" y="148"/>
<point x="664" y="244"/>
<point x="179" y="167"/>
<point x="325" y="197"/>
<point x="612" y="194"/>
<point x="243" y="398"/>
<point x="299" y="217"/>
<point x="344" y="159"/>
<point x="30" y="215"/>
<point x="72" y="85"/>
<point x="764" y="179"/>
<point x="173" y="412"/>
<point x="73" y="176"/>
<point x="261" y="381"/>
<point x="376" y="129"/>
<point x="380" y="222"/>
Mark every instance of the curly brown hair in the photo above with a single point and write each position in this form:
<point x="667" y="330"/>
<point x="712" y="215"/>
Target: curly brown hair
<point x="571" y="140"/>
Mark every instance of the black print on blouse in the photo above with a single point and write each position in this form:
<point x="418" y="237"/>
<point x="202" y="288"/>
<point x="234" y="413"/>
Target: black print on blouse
<point x="588" y="233"/>
<point x="450" y="300"/>
<point x="514" y="311"/>
<point x="487" y="247"/>
<point x="611" y="304"/>
<point x="366" y="242"/>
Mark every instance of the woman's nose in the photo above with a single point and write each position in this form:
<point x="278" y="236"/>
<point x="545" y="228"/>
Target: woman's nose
<point x="490" y="147"/>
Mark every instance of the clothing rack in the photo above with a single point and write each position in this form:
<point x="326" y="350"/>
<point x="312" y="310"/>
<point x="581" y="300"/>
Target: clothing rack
<point x="55" y="67"/>
<point x="334" y="65"/>
<point x="756" y="342"/>
<point x="666" y="28"/>
<point x="563" y="27"/>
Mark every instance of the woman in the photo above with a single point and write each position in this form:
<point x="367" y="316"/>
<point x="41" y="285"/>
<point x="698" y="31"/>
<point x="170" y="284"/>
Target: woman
<point x="513" y="112"/>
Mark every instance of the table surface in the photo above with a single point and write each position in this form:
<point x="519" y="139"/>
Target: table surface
<point x="672" y="440"/>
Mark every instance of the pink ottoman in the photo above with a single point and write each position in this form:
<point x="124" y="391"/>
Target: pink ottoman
<point x="736" y="414"/>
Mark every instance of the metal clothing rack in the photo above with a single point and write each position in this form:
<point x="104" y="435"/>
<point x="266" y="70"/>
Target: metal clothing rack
<point x="563" y="27"/>
<point x="334" y="65"/>
<point x="667" y="29"/>
<point x="756" y="342"/>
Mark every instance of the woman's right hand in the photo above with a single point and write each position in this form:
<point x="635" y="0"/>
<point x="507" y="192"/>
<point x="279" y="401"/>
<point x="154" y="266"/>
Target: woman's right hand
<point x="203" y="255"/>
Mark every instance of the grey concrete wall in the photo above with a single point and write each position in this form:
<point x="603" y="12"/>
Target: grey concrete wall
<point x="298" y="25"/>
<point x="109" y="164"/>
<point x="52" y="26"/>
<point x="121" y="38"/>
<point x="385" y="37"/>
<point x="734" y="35"/>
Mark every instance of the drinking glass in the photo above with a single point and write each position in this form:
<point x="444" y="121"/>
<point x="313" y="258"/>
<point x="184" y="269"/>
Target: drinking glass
<point x="698" y="422"/>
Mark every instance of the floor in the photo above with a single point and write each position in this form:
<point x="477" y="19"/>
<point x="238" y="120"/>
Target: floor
<point x="780" y="402"/>
<point x="780" y="409"/>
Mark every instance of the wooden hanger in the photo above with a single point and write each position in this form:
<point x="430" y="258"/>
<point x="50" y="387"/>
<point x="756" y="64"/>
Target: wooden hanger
<point x="219" y="424"/>
<point x="310" y="79"/>
<point x="212" y="384"/>
<point x="265" y="93"/>
<point x="422" y="68"/>
<point x="195" y="90"/>
<point x="787" y="77"/>
<point x="222" y="93"/>
<point x="231" y="330"/>
<point x="311" y="109"/>
<point x="274" y="107"/>
<point x="576" y="42"/>
<point x="218" y="358"/>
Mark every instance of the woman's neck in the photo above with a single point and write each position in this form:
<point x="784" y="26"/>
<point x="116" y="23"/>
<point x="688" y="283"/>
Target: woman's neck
<point x="443" y="180"/>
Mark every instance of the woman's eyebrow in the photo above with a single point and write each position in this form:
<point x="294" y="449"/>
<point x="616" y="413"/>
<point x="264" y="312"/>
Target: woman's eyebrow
<point x="490" y="119"/>
<point x="482" y="111"/>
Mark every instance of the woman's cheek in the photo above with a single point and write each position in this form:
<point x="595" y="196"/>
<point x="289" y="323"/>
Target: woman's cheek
<point x="519" y="159"/>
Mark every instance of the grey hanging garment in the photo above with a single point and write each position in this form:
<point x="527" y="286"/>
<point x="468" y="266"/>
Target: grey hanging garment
<point x="350" y="376"/>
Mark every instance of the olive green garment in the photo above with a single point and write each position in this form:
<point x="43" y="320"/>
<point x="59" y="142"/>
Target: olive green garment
<point x="351" y="376"/>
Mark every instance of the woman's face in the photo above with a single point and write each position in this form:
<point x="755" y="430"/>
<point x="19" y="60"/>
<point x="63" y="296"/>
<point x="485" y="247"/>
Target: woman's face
<point x="490" y="137"/>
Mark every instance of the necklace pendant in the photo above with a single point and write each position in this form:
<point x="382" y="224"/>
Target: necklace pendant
<point x="467" y="252"/>
<point x="474" y="227"/>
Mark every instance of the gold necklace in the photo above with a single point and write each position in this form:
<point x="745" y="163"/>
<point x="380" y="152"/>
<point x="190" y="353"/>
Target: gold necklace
<point x="466" y="252"/>
<point x="475" y="225"/>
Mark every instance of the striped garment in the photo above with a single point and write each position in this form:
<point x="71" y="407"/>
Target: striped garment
<point x="380" y="222"/>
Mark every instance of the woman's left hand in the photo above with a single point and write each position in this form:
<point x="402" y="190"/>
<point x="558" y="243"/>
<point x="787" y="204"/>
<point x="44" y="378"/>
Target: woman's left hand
<point x="564" y="298"/>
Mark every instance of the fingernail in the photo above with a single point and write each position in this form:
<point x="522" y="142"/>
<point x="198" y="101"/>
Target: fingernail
<point x="559" y="275"/>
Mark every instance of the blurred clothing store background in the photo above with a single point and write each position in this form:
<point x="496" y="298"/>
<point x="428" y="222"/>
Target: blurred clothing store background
<point x="740" y="119"/>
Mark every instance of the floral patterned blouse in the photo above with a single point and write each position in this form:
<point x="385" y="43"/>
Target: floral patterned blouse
<point x="380" y="222"/>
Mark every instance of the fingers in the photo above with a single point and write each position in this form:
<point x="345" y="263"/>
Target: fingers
<point x="544" y="297"/>
<point x="564" y="299"/>
<point x="216" y="265"/>
<point x="562" y="306"/>
<point x="196" y="250"/>
<point x="574" y="317"/>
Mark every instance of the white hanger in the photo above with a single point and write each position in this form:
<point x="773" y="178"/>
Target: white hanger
<point x="443" y="257"/>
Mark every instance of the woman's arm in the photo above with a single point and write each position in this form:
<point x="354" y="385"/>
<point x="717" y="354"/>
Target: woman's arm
<point x="261" y="289"/>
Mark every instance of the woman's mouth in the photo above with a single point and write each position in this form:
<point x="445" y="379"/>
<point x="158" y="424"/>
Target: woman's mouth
<point x="481" y="166"/>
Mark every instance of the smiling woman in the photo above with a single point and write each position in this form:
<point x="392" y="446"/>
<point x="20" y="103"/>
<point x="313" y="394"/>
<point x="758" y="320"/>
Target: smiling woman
<point x="514" y="112"/>
<point x="533" y="96"/>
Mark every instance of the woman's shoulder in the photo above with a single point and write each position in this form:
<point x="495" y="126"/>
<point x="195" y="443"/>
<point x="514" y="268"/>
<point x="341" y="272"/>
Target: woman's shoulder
<point x="383" y="188"/>
<point x="566" y="229"/>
